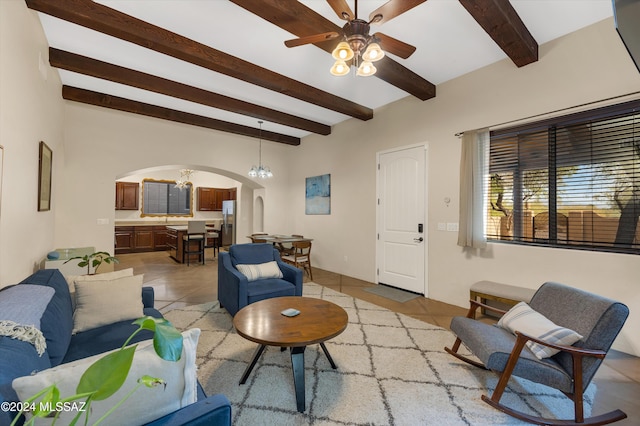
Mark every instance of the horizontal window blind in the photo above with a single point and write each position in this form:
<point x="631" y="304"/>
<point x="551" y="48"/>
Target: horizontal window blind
<point x="573" y="181"/>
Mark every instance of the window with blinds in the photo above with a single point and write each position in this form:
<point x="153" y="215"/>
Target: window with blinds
<point x="572" y="181"/>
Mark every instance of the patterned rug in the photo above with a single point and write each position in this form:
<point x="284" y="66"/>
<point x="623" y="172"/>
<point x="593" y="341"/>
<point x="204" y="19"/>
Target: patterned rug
<point x="392" y="370"/>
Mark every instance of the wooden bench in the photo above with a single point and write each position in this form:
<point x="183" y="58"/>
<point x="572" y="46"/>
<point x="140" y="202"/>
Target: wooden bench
<point x="503" y="293"/>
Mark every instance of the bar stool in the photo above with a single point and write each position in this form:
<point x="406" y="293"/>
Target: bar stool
<point x="196" y="232"/>
<point x="214" y="237"/>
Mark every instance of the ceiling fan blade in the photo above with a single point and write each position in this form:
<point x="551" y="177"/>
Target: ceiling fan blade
<point x="391" y="9"/>
<point x="342" y="9"/>
<point x="317" y="38"/>
<point x="395" y="46"/>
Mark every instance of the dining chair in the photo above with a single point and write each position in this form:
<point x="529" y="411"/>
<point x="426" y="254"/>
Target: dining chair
<point x="196" y="232"/>
<point x="286" y="249"/>
<point x="301" y="257"/>
<point x="255" y="237"/>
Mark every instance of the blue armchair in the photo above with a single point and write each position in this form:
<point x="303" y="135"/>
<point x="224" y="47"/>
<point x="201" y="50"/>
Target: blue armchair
<point x="235" y="291"/>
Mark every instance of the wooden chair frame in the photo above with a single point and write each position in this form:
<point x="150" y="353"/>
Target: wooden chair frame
<point x="577" y="355"/>
<point x="300" y="249"/>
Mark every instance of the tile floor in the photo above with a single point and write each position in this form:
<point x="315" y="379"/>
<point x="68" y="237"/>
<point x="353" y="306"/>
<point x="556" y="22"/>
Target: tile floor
<point x="177" y="285"/>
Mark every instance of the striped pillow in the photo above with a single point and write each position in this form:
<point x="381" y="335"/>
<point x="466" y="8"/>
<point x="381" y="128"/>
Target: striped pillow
<point x="260" y="271"/>
<point x="525" y="320"/>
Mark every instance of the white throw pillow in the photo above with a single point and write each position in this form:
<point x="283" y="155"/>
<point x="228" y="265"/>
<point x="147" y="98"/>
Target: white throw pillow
<point x="260" y="271"/>
<point x="104" y="302"/>
<point x="525" y="320"/>
<point x="145" y="404"/>
<point x="71" y="279"/>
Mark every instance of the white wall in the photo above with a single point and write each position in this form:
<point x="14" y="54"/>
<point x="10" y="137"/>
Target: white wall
<point x="586" y="66"/>
<point x="102" y="144"/>
<point x="30" y="112"/>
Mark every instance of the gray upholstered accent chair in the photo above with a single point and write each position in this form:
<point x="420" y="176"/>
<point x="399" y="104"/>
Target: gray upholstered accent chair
<point x="596" y="318"/>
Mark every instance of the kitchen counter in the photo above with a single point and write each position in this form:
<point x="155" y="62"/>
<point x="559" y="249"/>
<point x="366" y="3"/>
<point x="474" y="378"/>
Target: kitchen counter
<point x="176" y="244"/>
<point x="154" y="235"/>
<point x="213" y="222"/>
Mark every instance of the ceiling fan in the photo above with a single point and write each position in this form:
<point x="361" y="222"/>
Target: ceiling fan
<point x="358" y="45"/>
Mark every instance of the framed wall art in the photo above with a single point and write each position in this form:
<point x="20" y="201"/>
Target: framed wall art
<point x="44" y="177"/>
<point x="318" y="195"/>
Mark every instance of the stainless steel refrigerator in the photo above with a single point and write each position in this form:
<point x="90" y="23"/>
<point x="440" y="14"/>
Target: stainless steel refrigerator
<point x="228" y="223"/>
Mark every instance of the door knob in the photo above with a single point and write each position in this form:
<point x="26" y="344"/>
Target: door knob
<point x="418" y="240"/>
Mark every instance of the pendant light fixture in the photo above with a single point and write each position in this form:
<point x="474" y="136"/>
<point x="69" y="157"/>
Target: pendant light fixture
<point x="261" y="171"/>
<point x="185" y="176"/>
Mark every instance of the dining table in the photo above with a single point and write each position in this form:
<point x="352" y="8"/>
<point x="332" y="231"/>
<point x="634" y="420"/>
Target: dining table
<point x="279" y="238"/>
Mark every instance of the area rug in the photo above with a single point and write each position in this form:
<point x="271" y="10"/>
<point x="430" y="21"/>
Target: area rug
<point x="392" y="293"/>
<point x="392" y="370"/>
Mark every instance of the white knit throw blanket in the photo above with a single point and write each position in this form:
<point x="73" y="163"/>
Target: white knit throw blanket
<point x="26" y="333"/>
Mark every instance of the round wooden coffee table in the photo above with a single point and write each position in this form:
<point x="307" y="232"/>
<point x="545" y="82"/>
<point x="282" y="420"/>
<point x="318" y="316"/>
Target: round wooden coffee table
<point x="262" y="322"/>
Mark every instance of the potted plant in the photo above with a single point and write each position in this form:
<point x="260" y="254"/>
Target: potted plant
<point x="93" y="259"/>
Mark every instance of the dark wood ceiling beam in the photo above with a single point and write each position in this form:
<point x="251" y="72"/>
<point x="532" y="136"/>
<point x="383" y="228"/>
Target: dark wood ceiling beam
<point x="94" y="68"/>
<point x="121" y="104"/>
<point x="503" y="24"/>
<point x="298" y="19"/>
<point x="120" y="25"/>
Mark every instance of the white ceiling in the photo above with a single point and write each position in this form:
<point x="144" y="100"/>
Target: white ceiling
<point x="449" y="43"/>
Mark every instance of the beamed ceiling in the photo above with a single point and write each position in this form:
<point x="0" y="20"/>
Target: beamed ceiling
<point x="223" y="64"/>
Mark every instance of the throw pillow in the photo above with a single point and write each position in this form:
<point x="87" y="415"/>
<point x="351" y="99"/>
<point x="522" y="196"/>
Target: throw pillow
<point x="145" y="404"/>
<point x="71" y="279"/>
<point x="105" y="302"/>
<point x="260" y="271"/>
<point x="524" y="319"/>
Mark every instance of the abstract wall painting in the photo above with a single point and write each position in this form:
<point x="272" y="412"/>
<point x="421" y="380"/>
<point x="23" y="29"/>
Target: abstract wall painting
<point x="318" y="195"/>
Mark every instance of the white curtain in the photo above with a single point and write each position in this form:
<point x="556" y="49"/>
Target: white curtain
<point x="473" y="170"/>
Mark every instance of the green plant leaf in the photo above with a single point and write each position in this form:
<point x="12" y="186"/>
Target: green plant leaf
<point x="167" y="341"/>
<point x="151" y="382"/>
<point x="49" y="399"/>
<point x="105" y="376"/>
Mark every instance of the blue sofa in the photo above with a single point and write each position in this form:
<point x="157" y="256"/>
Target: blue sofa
<point x="235" y="291"/>
<point x="18" y="358"/>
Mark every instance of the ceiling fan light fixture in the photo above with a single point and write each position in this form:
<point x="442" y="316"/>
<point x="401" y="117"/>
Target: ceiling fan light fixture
<point x="340" y="68"/>
<point x="342" y="52"/>
<point x="366" y="69"/>
<point x="373" y="53"/>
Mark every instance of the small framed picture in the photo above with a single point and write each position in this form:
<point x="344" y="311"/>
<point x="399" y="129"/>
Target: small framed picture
<point x="44" y="177"/>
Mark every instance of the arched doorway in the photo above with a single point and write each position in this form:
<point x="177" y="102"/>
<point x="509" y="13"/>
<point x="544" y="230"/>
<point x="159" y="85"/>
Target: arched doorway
<point x="246" y="191"/>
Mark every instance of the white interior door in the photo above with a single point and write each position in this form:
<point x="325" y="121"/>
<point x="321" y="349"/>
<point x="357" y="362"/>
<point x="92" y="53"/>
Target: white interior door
<point x="401" y="239"/>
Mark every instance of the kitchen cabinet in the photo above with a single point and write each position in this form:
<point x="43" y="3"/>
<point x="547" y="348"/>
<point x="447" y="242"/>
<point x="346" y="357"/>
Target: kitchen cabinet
<point x="140" y="238"/>
<point x="206" y="199"/>
<point x="127" y="195"/>
<point x="124" y="240"/>
<point x="143" y="238"/>
<point x="160" y="238"/>
<point x="210" y="199"/>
